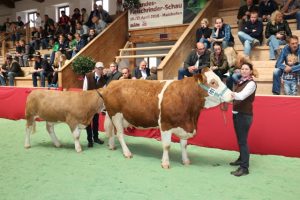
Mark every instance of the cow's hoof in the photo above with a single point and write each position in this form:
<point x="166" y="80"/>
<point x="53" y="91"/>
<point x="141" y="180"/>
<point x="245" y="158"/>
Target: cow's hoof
<point x="27" y="146"/>
<point x="57" y="145"/>
<point x="128" y="155"/>
<point x="165" y="165"/>
<point x="112" y="148"/>
<point x="186" y="162"/>
<point x="79" y="150"/>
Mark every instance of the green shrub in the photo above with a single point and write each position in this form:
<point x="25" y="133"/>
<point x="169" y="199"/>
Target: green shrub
<point x="83" y="64"/>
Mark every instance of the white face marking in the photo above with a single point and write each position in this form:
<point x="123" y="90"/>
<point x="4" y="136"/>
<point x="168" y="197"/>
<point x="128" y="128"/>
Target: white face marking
<point x="211" y="101"/>
<point x="160" y="99"/>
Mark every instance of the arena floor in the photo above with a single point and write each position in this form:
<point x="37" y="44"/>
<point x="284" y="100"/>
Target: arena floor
<point x="45" y="172"/>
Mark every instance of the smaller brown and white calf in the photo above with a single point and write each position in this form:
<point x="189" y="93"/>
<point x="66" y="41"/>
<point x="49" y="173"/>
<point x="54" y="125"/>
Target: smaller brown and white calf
<point x="74" y="108"/>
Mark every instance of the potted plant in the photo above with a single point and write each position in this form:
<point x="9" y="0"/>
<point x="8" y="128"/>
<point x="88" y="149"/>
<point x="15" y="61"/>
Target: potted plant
<point x="131" y="4"/>
<point x="82" y="65"/>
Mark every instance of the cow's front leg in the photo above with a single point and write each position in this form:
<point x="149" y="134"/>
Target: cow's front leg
<point x="50" y="129"/>
<point x="76" y="136"/>
<point x="185" y="158"/>
<point x="166" y="143"/>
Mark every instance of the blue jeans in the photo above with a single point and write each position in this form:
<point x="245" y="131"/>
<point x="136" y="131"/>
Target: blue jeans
<point x="185" y="72"/>
<point x="274" y="43"/>
<point x="295" y="16"/>
<point x="42" y="75"/>
<point x="246" y="41"/>
<point x="11" y="77"/>
<point x="242" y="123"/>
<point x="290" y="87"/>
<point x="2" y="80"/>
<point x="232" y="79"/>
<point x="276" y="80"/>
<point x="205" y="42"/>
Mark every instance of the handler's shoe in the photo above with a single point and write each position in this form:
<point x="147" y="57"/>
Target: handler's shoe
<point x="99" y="141"/>
<point x="236" y="163"/>
<point x="240" y="172"/>
<point x="90" y="144"/>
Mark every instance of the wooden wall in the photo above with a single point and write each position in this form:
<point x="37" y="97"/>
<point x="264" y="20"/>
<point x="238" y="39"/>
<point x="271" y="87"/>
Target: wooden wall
<point x="168" y="68"/>
<point x="103" y="48"/>
<point x="229" y="3"/>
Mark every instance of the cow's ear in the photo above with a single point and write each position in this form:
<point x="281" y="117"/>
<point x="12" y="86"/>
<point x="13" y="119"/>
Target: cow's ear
<point x="199" y="77"/>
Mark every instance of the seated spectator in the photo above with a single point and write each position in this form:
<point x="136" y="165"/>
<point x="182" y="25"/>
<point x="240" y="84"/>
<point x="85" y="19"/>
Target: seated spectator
<point x="71" y="45"/>
<point x="277" y="31"/>
<point x="125" y="73"/>
<point x="266" y="8"/>
<point x="80" y="43"/>
<point x="41" y="39"/>
<point x="59" y="61"/>
<point x="84" y="16"/>
<point x="48" y="22"/>
<point x="10" y="70"/>
<point x="203" y="33"/>
<point x="290" y="78"/>
<point x="196" y="60"/>
<point x="22" y="53"/>
<point x="98" y="24"/>
<point x="104" y="15"/>
<point x="82" y="29"/>
<point x="41" y="69"/>
<point x="62" y="45"/>
<point x="281" y="64"/>
<point x="218" y="61"/>
<point x="244" y="13"/>
<point x="76" y="17"/>
<point x="93" y="13"/>
<point x="63" y="22"/>
<point x="153" y="74"/>
<point x="141" y="72"/>
<point x="222" y="33"/>
<point x="114" y="73"/>
<point x="92" y="34"/>
<point x="291" y="10"/>
<point x="252" y="33"/>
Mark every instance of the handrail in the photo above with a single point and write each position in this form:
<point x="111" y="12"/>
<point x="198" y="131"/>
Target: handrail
<point x="147" y="48"/>
<point x="142" y="56"/>
<point x="170" y="64"/>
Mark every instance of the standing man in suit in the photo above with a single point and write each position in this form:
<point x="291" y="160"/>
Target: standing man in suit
<point x="94" y="80"/>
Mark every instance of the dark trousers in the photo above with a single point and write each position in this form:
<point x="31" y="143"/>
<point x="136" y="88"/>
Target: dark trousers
<point x="242" y="123"/>
<point x="92" y="129"/>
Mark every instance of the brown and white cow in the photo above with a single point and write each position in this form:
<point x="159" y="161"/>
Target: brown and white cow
<point x="172" y="106"/>
<point x="74" y="108"/>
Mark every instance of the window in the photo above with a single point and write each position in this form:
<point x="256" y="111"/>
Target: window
<point x="103" y="3"/>
<point x="64" y="8"/>
<point x="31" y="17"/>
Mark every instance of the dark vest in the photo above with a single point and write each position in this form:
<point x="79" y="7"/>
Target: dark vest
<point x="244" y="106"/>
<point x="92" y="83"/>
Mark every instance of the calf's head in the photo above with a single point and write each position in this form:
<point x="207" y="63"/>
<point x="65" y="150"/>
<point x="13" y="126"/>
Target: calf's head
<point x="217" y="92"/>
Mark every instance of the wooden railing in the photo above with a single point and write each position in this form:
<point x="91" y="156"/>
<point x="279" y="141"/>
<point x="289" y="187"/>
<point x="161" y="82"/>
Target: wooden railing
<point x="168" y="68"/>
<point x="103" y="48"/>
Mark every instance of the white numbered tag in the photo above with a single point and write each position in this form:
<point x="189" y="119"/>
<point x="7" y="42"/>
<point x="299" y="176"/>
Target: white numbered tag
<point x="211" y="92"/>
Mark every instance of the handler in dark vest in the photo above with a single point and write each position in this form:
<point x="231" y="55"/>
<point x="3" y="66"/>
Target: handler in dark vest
<point x="94" y="80"/>
<point x="242" y="116"/>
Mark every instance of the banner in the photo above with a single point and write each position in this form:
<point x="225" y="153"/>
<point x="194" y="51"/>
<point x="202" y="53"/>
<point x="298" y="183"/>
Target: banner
<point x="156" y="13"/>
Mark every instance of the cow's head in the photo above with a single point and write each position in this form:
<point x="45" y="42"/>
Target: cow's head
<point x="217" y="91"/>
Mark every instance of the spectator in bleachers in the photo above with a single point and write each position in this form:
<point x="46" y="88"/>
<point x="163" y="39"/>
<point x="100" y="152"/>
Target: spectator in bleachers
<point x="291" y="10"/>
<point x="41" y="69"/>
<point x="244" y="13"/>
<point x="281" y="64"/>
<point x="62" y="45"/>
<point x="63" y="22"/>
<point x="84" y="16"/>
<point x="266" y="8"/>
<point x="98" y="24"/>
<point x="93" y="13"/>
<point x="114" y="73"/>
<point x="277" y="31"/>
<point x="59" y="61"/>
<point x="37" y="22"/>
<point x="222" y="33"/>
<point x="125" y="73"/>
<point x="48" y="22"/>
<point x="153" y="74"/>
<point x="10" y="70"/>
<point x="196" y="60"/>
<point x="92" y="34"/>
<point x="71" y="45"/>
<point x="104" y="15"/>
<point x="203" y="33"/>
<point x="22" y="53"/>
<point x="290" y="78"/>
<point x="218" y="61"/>
<point x="76" y="17"/>
<point x="41" y="39"/>
<point x="80" y="43"/>
<point x="141" y="72"/>
<point x="82" y="29"/>
<point x="252" y="33"/>
<point x="6" y="25"/>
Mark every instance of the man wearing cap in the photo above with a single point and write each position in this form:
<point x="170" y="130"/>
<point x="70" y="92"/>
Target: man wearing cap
<point x="10" y="70"/>
<point x="94" y="80"/>
<point x="42" y="69"/>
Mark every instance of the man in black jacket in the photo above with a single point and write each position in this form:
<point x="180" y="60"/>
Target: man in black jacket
<point x="10" y="70"/>
<point x="244" y="13"/>
<point x="42" y="69"/>
<point x="195" y="61"/>
<point x="114" y="73"/>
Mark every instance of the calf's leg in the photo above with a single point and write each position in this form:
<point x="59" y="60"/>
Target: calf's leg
<point x="109" y="130"/>
<point x="185" y="159"/>
<point x="76" y="136"/>
<point x="50" y="129"/>
<point x="166" y="143"/>
<point x="29" y="130"/>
